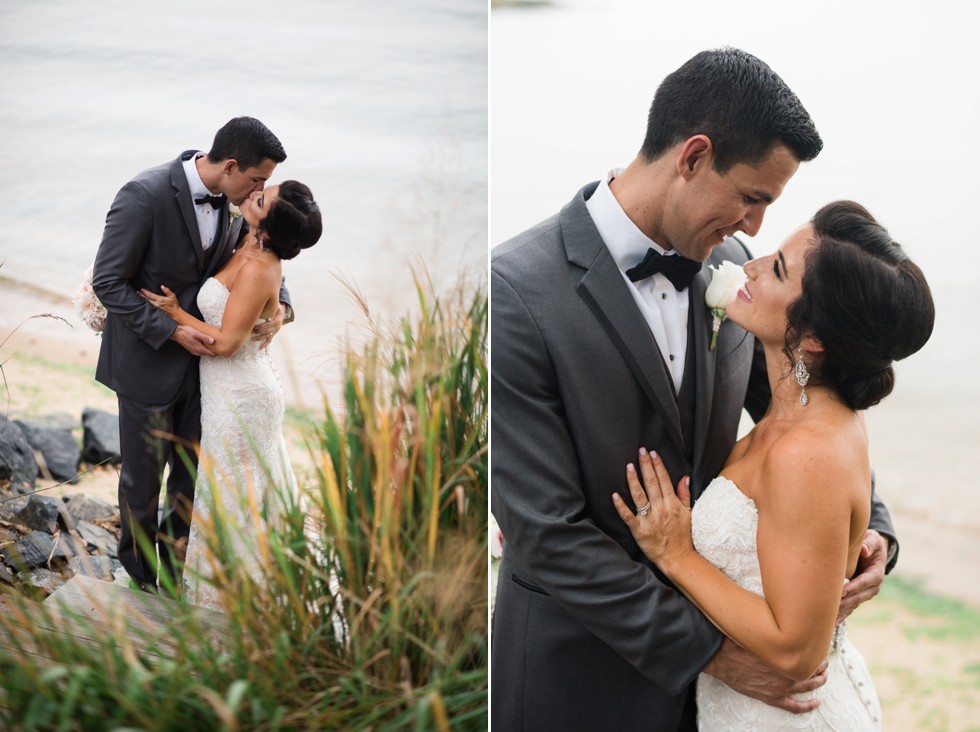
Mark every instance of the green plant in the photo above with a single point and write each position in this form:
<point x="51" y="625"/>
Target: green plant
<point x="371" y="611"/>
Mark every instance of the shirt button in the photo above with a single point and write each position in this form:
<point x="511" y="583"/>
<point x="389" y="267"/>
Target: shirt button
<point x="663" y="296"/>
<point x="672" y="357"/>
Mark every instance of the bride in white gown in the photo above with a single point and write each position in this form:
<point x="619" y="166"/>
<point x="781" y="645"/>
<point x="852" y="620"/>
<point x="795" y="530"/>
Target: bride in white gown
<point x="243" y="466"/>
<point x="769" y="543"/>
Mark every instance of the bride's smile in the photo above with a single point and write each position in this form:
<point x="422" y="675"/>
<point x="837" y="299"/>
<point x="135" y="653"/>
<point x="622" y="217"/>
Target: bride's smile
<point x="773" y="283"/>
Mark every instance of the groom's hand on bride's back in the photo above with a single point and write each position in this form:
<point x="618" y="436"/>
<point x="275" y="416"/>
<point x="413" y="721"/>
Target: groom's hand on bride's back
<point x="192" y="340"/>
<point x="747" y="675"/>
<point x="866" y="582"/>
<point x="263" y="333"/>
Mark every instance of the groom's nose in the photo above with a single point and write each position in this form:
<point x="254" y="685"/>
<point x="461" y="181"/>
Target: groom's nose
<point x="752" y="221"/>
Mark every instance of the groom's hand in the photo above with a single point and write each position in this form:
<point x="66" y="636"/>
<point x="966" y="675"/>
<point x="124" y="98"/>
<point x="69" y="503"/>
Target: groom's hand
<point x="747" y="675"/>
<point x="263" y="333"/>
<point x="192" y="340"/>
<point x="870" y="574"/>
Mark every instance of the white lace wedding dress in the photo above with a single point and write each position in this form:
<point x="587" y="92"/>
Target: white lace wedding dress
<point x="724" y="522"/>
<point x="243" y="453"/>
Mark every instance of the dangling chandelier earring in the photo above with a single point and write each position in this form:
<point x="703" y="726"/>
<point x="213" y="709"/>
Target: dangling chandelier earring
<point x="802" y="376"/>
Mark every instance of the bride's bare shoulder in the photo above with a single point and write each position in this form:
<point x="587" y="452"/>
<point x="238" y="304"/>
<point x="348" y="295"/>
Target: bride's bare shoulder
<point x="259" y="271"/>
<point x="740" y="448"/>
<point x="829" y="451"/>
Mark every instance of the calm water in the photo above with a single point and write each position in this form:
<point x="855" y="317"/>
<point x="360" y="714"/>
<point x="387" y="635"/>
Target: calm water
<point x="893" y="90"/>
<point x="381" y="107"/>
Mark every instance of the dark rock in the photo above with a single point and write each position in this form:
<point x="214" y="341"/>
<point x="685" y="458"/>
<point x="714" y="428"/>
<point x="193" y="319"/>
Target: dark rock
<point x="41" y="514"/>
<point x="101" y="439"/>
<point x="98" y="539"/>
<point x="11" y="506"/>
<point x="89" y="508"/>
<point x="17" y="462"/>
<point x="57" y="421"/>
<point x="98" y="567"/>
<point x="6" y="575"/>
<point x="71" y="546"/>
<point x="34" y="550"/>
<point x="57" y="447"/>
<point x="68" y="521"/>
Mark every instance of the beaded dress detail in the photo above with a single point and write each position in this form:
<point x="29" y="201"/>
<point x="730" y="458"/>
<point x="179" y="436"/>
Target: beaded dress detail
<point x="243" y="452"/>
<point x="724" y="522"/>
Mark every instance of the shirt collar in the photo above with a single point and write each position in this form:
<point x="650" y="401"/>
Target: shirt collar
<point x="197" y="187"/>
<point x="625" y="242"/>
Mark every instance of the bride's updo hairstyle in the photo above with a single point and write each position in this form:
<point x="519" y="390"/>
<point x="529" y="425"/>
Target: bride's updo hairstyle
<point x="293" y="222"/>
<point x="864" y="300"/>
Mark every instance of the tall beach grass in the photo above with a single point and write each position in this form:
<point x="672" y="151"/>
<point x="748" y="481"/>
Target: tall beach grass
<point x="371" y="608"/>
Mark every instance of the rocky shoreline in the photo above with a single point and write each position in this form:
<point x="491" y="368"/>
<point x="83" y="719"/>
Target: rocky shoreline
<point x="46" y="540"/>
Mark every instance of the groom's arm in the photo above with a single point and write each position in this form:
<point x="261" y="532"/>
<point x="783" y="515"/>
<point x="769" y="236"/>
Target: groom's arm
<point x="881" y="521"/>
<point x="537" y="498"/>
<point x="287" y="304"/>
<point x="125" y="241"/>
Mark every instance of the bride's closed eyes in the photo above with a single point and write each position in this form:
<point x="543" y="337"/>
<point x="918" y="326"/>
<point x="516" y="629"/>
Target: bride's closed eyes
<point x="776" y="262"/>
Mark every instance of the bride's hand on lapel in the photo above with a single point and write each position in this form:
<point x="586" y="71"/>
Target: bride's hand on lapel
<point x="662" y="523"/>
<point x="167" y="302"/>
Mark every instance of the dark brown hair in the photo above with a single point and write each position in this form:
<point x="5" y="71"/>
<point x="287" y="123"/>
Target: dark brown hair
<point x="293" y="222"/>
<point x="864" y="300"/>
<point x="735" y="99"/>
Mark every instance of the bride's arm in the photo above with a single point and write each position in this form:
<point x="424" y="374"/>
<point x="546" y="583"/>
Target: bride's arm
<point x="803" y="542"/>
<point x="254" y="286"/>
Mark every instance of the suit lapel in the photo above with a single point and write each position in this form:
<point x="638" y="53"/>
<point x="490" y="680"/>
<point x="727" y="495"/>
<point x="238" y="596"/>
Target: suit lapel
<point x="182" y="199"/>
<point x="607" y="294"/>
<point x="225" y="243"/>
<point x="704" y="361"/>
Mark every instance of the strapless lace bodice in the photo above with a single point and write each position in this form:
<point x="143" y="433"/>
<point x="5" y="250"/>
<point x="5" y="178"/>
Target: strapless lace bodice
<point x="211" y="301"/>
<point x="724" y="523"/>
<point x="243" y="453"/>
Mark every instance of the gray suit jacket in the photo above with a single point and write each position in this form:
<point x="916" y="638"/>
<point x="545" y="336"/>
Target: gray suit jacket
<point x="587" y="633"/>
<point x="151" y="238"/>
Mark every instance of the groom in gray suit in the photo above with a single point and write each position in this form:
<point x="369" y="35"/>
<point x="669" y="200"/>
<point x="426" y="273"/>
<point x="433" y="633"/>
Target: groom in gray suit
<point x="600" y="345"/>
<point x="170" y="225"/>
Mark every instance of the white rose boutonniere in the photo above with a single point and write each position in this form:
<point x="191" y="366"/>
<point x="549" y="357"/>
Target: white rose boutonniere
<point x="726" y="280"/>
<point x="233" y="212"/>
<point x="88" y="307"/>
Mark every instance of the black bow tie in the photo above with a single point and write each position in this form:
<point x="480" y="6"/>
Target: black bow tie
<point x="215" y="201"/>
<point x="679" y="270"/>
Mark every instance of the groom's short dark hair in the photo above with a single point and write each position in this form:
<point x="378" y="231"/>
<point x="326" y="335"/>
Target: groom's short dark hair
<point x="738" y="102"/>
<point x="248" y="141"/>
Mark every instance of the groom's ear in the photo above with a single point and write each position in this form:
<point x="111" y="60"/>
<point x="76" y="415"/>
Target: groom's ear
<point x="228" y="166"/>
<point x="695" y="153"/>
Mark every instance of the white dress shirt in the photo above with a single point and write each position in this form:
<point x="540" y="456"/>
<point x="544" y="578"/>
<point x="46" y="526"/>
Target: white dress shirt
<point x="207" y="217"/>
<point x="664" y="308"/>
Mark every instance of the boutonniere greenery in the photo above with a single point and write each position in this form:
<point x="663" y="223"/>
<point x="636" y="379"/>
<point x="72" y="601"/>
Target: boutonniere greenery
<point x="726" y="280"/>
